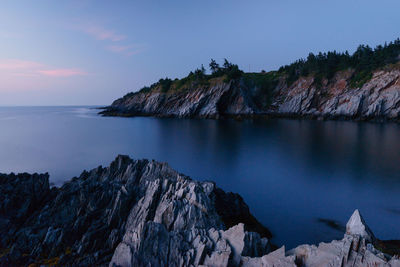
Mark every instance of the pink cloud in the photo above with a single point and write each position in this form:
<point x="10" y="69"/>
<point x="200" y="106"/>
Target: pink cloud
<point x="25" y="68"/>
<point x="103" y="34"/>
<point x="62" y="72"/>
<point x="16" y="64"/>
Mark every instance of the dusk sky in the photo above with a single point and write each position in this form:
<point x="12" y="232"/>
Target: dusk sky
<point x="92" y="52"/>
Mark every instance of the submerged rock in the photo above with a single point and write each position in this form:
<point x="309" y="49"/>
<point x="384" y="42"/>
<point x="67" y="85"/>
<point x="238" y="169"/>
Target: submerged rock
<point x="143" y="213"/>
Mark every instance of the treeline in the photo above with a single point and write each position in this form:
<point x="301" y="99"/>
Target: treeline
<point x="229" y="69"/>
<point x="199" y="75"/>
<point x="364" y="61"/>
<point x="322" y="65"/>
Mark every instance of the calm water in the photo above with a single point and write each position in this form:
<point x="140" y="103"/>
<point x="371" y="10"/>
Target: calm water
<point x="291" y="173"/>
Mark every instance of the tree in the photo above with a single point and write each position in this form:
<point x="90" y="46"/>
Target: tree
<point x="200" y="73"/>
<point x="214" y="66"/>
<point x="165" y="84"/>
<point x="203" y="70"/>
<point x="227" y="65"/>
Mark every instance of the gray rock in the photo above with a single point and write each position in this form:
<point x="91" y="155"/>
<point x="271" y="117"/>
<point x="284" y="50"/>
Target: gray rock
<point x="134" y="212"/>
<point x="356" y="226"/>
<point x="211" y="101"/>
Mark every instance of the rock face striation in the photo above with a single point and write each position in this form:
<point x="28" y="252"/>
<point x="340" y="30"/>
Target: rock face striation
<point x="143" y="213"/>
<point x="218" y="99"/>
<point x="377" y="99"/>
<point x="132" y="213"/>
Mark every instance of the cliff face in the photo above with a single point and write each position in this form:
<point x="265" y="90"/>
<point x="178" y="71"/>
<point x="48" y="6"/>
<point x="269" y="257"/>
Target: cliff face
<point x="377" y="99"/>
<point x="143" y="213"/>
<point x="212" y="101"/>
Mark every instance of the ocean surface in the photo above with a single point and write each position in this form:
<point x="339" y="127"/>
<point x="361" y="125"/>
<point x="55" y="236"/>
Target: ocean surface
<point x="301" y="179"/>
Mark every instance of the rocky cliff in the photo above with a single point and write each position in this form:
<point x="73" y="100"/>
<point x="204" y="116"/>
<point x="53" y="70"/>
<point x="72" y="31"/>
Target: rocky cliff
<point x="307" y="97"/>
<point x="143" y="213"/>
<point x="216" y="99"/>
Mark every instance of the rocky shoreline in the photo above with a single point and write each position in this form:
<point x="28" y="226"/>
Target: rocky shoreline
<point x="335" y="99"/>
<point x="143" y="213"/>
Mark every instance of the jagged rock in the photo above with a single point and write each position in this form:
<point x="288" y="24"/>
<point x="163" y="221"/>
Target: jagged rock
<point x="275" y="258"/>
<point x="357" y="226"/>
<point x="20" y="195"/>
<point x="131" y="213"/>
<point x="355" y="249"/>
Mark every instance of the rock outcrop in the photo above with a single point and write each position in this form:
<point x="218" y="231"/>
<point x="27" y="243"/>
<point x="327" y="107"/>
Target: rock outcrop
<point x="217" y="99"/>
<point x="355" y="249"/>
<point x="143" y="213"/>
<point x="377" y="99"/>
<point x="134" y="212"/>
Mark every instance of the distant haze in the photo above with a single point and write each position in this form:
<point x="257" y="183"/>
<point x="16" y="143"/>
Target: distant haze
<point x="91" y="52"/>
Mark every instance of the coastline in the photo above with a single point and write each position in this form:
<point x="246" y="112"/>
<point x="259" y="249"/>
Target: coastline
<point x="110" y="112"/>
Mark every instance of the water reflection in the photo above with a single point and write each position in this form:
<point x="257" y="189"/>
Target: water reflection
<point x="290" y="172"/>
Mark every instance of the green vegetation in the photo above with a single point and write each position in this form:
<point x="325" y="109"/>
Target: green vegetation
<point x="322" y="66"/>
<point x="198" y="77"/>
<point x="363" y="61"/>
<point x="165" y="84"/>
<point x="231" y="71"/>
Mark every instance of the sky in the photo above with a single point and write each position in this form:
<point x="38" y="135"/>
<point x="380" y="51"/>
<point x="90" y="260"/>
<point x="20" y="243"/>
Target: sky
<point x="92" y="52"/>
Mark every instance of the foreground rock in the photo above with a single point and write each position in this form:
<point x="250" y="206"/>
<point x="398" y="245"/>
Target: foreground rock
<point x="378" y="99"/>
<point x="355" y="249"/>
<point x="143" y="213"/>
<point x="130" y="213"/>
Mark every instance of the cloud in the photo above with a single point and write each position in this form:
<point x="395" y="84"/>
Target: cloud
<point x="127" y="50"/>
<point x="16" y="64"/>
<point x="102" y="34"/>
<point x="62" y="72"/>
<point x="25" y="68"/>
